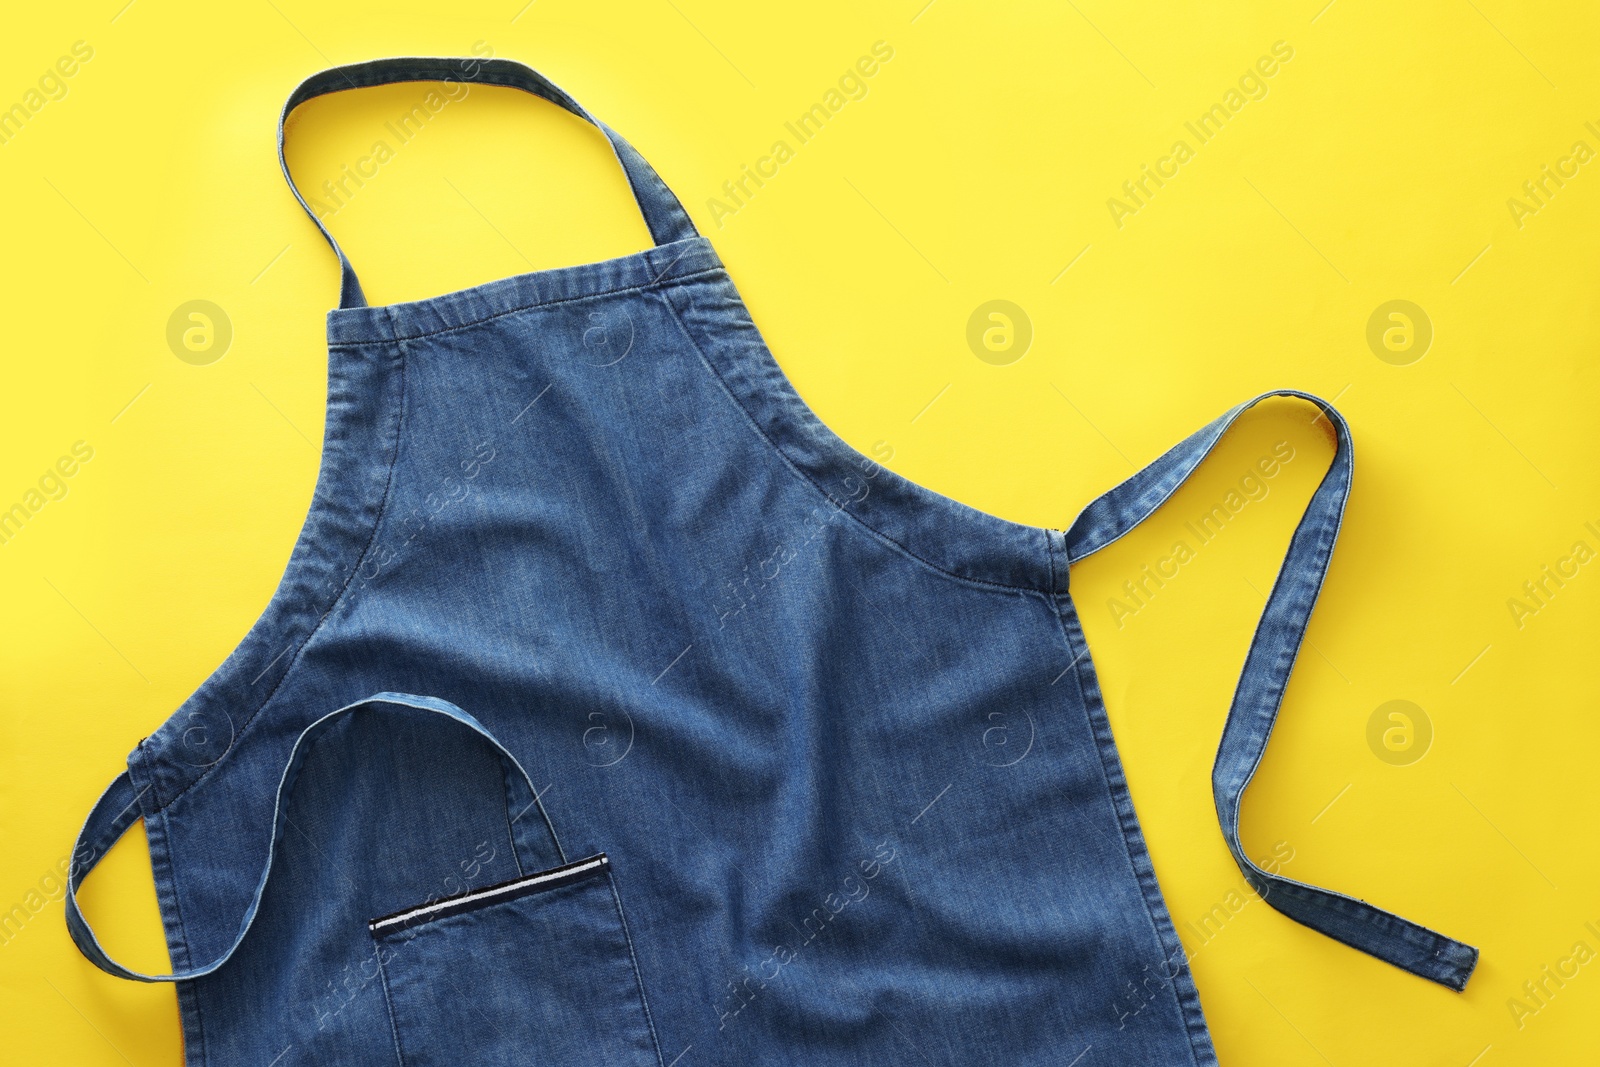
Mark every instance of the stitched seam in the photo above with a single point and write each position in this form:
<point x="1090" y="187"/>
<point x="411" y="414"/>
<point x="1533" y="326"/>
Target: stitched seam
<point x="1417" y="936"/>
<point x="638" y="979"/>
<point x="1049" y="547"/>
<point x="511" y="831"/>
<point x="1419" y="968"/>
<point x="656" y="283"/>
<point x="1199" y="1038"/>
<point x="1171" y="490"/>
<point x="807" y="479"/>
<point x="445" y="68"/>
<point x="544" y="813"/>
<point x="377" y="525"/>
<point x="1327" y="538"/>
<point x="190" y="990"/>
<point x="388" y="1002"/>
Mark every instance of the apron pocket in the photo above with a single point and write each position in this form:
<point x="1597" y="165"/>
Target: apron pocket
<point x="537" y="970"/>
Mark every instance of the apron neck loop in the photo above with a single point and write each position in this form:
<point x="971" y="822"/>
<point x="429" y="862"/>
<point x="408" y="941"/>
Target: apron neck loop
<point x="663" y="214"/>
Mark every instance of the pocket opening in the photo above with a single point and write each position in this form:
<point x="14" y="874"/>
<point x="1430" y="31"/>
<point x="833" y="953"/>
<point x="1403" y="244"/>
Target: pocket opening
<point x="472" y="899"/>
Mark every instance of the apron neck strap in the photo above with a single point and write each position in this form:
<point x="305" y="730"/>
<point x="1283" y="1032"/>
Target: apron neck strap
<point x="663" y="214"/>
<point x="122" y="805"/>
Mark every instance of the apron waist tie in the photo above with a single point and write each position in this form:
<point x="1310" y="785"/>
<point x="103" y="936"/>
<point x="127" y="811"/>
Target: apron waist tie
<point x="1259" y="695"/>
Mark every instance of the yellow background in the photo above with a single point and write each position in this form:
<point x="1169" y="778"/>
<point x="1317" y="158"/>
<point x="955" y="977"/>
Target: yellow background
<point x="977" y="167"/>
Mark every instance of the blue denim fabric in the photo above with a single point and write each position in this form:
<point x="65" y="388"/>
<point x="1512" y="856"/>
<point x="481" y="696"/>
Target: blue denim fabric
<point x="611" y="709"/>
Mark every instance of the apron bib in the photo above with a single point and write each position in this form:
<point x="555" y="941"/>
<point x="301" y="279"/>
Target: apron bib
<point x="611" y="709"/>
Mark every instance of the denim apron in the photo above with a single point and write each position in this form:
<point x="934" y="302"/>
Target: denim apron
<point x="612" y="710"/>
